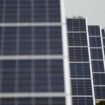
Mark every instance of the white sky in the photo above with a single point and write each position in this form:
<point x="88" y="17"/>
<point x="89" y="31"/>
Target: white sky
<point x="93" y="10"/>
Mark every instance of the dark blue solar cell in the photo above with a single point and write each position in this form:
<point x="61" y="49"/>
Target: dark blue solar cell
<point x="78" y="54"/>
<point x="8" y="101"/>
<point x="57" y="100"/>
<point x="1" y="39"/>
<point x="103" y="32"/>
<point x="79" y="70"/>
<point x="41" y="76"/>
<point x="97" y="66"/>
<point x="10" y="10"/>
<point x="40" y="33"/>
<point x="77" y="39"/>
<point x="40" y="47"/>
<point x="76" y="25"/>
<point x="99" y="79"/>
<point x="55" y="47"/>
<point x="24" y="76"/>
<point x="25" y="47"/>
<point x="82" y="101"/>
<point x="54" y="11"/>
<point x="94" y="30"/>
<point x="9" y="48"/>
<point x="55" y="33"/>
<point x="104" y="42"/>
<point x="1" y="11"/>
<point x="25" y="11"/>
<point x="24" y="101"/>
<point x="9" y="41"/>
<point x="40" y="11"/>
<point x="42" y="101"/>
<point x="8" y="76"/>
<point x="81" y="87"/>
<point x="100" y="92"/>
<point x="95" y="41"/>
<point x="25" y="40"/>
<point x="96" y="54"/>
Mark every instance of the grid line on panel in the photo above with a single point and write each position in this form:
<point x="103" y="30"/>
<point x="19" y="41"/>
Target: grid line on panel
<point x="82" y="96"/>
<point x="28" y="24"/>
<point x="31" y="57"/>
<point x="99" y="85"/>
<point x="77" y="47"/>
<point x="79" y="62"/>
<point x="76" y="32"/>
<point x="80" y="78"/>
<point x="99" y="72"/>
<point x="40" y="94"/>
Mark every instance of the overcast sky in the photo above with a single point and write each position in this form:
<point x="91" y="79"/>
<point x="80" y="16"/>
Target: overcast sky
<point x="93" y="10"/>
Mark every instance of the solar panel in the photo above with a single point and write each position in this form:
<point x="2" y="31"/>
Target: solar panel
<point x="31" y="29"/>
<point x="80" y="75"/>
<point x="96" y="52"/>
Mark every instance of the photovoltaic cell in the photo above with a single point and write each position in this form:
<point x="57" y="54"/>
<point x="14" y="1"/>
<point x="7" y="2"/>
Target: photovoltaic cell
<point x="95" y="41"/>
<point x="82" y="101"/>
<point x="96" y="54"/>
<point x="94" y="30"/>
<point x="79" y="70"/>
<point x="1" y="10"/>
<point x="97" y="66"/>
<point x="78" y="54"/>
<point x="99" y="78"/>
<point x="100" y="92"/>
<point x="77" y="39"/>
<point x="76" y="25"/>
<point x="81" y="87"/>
<point x="103" y="33"/>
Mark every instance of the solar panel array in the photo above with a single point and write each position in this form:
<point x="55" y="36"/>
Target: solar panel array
<point x="80" y="75"/>
<point x="97" y="60"/>
<point x="31" y="56"/>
